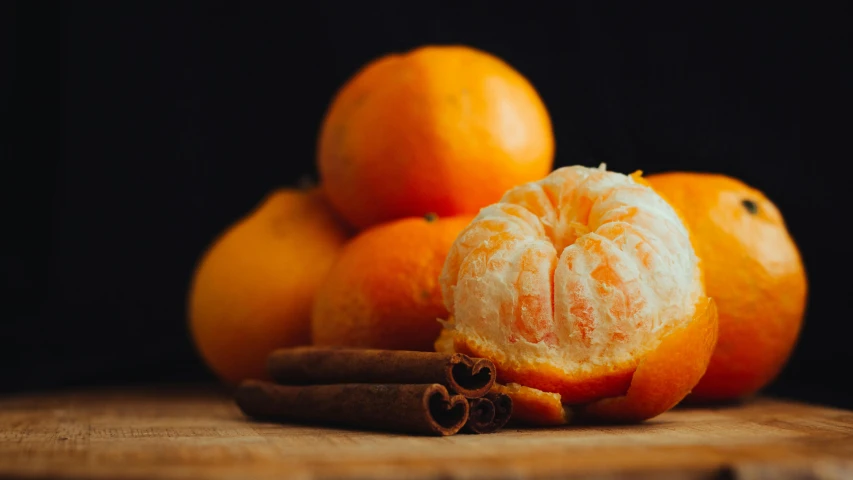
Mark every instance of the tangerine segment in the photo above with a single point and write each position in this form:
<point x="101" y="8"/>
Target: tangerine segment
<point x="568" y="282"/>
<point x="534" y="407"/>
<point x="666" y="375"/>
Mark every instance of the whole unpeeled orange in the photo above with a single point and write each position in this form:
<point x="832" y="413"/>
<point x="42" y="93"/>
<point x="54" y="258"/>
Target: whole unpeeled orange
<point x="383" y="291"/>
<point x="584" y="289"/>
<point x="754" y="272"/>
<point x="443" y="129"/>
<point x="252" y="290"/>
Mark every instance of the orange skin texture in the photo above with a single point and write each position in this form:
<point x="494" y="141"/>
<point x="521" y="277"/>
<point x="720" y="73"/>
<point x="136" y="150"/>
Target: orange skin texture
<point x="383" y="290"/>
<point x="443" y="129"/>
<point x="754" y="272"/>
<point x="253" y="289"/>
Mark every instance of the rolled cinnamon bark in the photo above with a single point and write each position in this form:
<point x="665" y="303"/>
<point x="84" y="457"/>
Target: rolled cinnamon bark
<point x="489" y="413"/>
<point x="319" y="366"/>
<point x="424" y="409"/>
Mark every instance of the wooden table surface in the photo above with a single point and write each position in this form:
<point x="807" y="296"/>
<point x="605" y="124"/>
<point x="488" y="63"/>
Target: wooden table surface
<point x="182" y="432"/>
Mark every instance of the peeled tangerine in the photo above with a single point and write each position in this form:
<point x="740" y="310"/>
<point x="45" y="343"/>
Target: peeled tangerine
<point x="585" y="291"/>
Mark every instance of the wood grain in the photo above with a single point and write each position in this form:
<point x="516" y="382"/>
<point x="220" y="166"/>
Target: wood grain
<point x="181" y="432"/>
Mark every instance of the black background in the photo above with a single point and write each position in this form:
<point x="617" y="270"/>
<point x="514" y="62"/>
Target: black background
<point x="139" y="130"/>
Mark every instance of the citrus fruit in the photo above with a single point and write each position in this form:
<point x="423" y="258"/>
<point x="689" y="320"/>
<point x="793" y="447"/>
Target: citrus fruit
<point x="754" y="272"/>
<point x="253" y="288"/>
<point x="585" y="285"/>
<point x="443" y="129"/>
<point x="383" y="291"/>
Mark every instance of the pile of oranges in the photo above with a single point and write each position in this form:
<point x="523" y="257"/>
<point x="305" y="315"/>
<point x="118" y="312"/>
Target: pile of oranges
<point x="438" y="223"/>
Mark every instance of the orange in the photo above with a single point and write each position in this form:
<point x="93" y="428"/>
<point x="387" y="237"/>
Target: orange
<point x="252" y="290"/>
<point x="584" y="285"/>
<point x="383" y="290"/>
<point x="754" y="272"/>
<point x="443" y="129"/>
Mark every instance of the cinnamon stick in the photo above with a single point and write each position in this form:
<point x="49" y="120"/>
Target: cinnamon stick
<point x="488" y="414"/>
<point x="424" y="409"/>
<point x="317" y="366"/>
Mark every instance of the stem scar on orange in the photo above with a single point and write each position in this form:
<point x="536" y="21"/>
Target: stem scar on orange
<point x="584" y="289"/>
<point x="754" y="272"/>
<point x="444" y="129"/>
